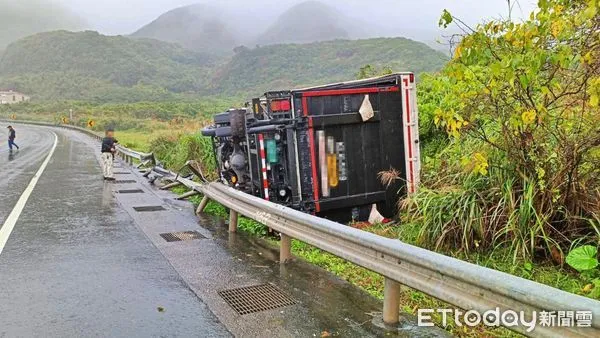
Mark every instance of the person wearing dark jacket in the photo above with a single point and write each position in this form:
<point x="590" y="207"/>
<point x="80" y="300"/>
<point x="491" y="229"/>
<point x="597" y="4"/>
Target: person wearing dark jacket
<point x="109" y="146"/>
<point x="12" y="134"/>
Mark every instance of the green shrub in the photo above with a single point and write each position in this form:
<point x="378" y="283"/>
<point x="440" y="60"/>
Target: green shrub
<point x="520" y="105"/>
<point x="175" y="151"/>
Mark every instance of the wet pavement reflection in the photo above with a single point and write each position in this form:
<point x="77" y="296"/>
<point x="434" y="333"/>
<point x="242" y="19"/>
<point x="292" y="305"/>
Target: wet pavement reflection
<point x="76" y="264"/>
<point x="340" y="308"/>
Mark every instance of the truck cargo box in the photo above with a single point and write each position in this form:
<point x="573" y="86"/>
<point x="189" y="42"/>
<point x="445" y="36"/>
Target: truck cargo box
<point x="321" y="149"/>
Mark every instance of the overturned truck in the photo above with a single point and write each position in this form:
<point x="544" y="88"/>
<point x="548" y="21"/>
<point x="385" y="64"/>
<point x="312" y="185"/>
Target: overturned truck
<point x="321" y="149"/>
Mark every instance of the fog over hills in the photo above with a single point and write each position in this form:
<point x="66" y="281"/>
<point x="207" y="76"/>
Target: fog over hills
<point x="306" y="22"/>
<point x="184" y="47"/>
<point x="416" y="20"/>
<point x="244" y="22"/>
<point x="197" y="27"/>
<point x="217" y="29"/>
<point x="20" y="18"/>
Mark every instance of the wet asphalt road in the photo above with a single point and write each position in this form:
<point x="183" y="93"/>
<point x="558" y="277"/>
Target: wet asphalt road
<point x="75" y="264"/>
<point x="17" y="167"/>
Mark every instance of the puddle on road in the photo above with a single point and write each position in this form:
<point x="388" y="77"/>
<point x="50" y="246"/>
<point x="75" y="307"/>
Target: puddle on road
<point x="341" y="309"/>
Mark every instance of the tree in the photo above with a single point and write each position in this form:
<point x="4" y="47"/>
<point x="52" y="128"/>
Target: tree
<point x="521" y="103"/>
<point x="369" y="71"/>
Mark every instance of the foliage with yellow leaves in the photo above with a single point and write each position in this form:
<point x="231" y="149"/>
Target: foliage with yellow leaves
<point x="520" y="101"/>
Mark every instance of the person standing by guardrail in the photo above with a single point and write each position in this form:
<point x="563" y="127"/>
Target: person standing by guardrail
<point x="12" y="134"/>
<point x="109" y="146"/>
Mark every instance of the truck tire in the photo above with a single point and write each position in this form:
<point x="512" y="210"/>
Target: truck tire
<point x="237" y="121"/>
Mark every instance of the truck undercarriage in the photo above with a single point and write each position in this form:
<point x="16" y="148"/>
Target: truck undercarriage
<point x="321" y="149"/>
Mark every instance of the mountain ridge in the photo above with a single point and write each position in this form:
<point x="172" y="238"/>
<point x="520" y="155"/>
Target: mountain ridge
<point x="197" y="27"/>
<point x="64" y="65"/>
<point x="68" y="65"/>
<point x="292" y="65"/>
<point x="306" y="22"/>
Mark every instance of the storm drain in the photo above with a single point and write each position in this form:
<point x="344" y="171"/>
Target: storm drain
<point x="125" y="181"/>
<point x="122" y="173"/>
<point x="256" y="298"/>
<point x="181" y="236"/>
<point x="131" y="191"/>
<point x="149" y="208"/>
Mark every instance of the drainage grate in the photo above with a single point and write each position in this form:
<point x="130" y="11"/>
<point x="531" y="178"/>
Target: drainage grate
<point x="125" y="181"/>
<point x="149" y="208"/>
<point x="256" y="298"/>
<point x="181" y="236"/>
<point x="131" y="191"/>
<point x="122" y="173"/>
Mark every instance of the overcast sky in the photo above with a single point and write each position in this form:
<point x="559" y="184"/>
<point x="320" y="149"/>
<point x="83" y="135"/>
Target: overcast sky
<point x="126" y="16"/>
<point x="415" y="19"/>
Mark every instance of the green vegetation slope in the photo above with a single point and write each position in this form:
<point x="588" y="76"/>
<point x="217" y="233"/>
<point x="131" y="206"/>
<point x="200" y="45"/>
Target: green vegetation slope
<point x="88" y="66"/>
<point x="66" y="65"/>
<point x="281" y="66"/>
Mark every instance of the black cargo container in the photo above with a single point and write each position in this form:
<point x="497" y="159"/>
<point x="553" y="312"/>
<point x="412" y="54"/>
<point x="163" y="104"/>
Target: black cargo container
<point x="320" y="149"/>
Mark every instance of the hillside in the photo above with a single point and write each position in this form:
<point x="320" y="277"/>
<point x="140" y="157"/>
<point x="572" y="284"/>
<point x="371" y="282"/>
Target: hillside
<point x="70" y="65"/>
<point x="209" y="28"/>
<point x="309" y="21"/>
<point x="89" y="66"/>
<point x="284" y="66"/>
<point x="197" y="27"/>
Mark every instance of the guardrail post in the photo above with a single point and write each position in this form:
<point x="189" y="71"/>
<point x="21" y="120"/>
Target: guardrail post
<point x="170" y="185"/>
<point x="233" y="220"/>
<point x="202" y="205"/>
<point x="285" y="250"/>
<point x="391" y="302"/>
<point x="187" y="195"/>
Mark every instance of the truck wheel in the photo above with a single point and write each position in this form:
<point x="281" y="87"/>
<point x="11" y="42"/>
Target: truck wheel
<point x="237" y="120"/>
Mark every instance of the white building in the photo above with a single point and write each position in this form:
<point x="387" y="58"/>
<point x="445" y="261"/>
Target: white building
<point x="10" y="97"/>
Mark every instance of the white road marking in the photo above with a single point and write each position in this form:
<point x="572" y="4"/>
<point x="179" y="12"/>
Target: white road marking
<point x="12" y="219"/>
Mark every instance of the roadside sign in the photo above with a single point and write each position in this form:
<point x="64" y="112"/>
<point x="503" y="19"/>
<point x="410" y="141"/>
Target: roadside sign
<point x="91" y="123"/>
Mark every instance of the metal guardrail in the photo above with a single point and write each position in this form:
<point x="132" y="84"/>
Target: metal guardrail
<point x="464" y="285"/>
